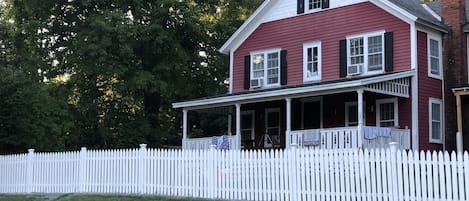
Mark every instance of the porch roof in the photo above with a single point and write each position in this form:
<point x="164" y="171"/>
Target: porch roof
<point x="461" y="90"/>
<point x="314" y="89"/>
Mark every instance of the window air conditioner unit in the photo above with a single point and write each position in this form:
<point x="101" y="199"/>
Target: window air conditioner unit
<point x="257" y="83"/>
<point x="355" y="69"/>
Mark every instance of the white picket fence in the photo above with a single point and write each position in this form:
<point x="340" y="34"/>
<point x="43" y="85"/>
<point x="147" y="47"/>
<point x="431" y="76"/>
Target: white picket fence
<point x="292" y="174"/>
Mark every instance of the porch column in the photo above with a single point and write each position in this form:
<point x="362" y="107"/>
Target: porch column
<point x="229" y="125"/>
<point x="288" y="126"/>
<point x="238" y="126"/>
<point x="360" y="115"/>
<point x="184" y="126"/>
<point x="459" y="139"/>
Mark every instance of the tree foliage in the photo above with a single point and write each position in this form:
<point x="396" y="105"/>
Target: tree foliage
<point x="111" y="69"/>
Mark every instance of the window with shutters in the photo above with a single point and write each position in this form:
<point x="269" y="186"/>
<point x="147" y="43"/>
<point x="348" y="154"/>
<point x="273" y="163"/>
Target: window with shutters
<point x="312" y="61"/>
<point x="436" y="120"/>
<point x="365" y="54"/>
<point x="265" y="68"/>
<point x="314" y="4"/>
<point x="434" y="57"/>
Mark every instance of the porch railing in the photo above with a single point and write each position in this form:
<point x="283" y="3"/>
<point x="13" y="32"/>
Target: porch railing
<point x="401" y="136"/>
<point x="204" y="143"/>
<point x="329" y="138"/>
<point x="347" y="137"/>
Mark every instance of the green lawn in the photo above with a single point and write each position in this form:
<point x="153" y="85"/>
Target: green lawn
<point x="73" y="197"/>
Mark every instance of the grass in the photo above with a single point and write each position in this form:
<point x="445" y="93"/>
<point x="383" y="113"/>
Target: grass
<point x="75" y="197"/>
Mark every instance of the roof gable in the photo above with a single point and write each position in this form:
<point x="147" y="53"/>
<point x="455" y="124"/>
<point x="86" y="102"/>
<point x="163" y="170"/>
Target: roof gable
<point x="271" y="10"/>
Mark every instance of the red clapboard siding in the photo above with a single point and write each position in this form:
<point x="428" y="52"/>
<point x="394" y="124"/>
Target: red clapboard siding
<point x="428" y="88"/>
<point x="329" y="27"/>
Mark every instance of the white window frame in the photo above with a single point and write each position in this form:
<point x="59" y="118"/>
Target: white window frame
<point x="317" y="77"/>
<point x="365" y="51"/>
<point x="431" y="37"/>
<point x="312" y="9"/>
<point x="430" y="120"/>
<point x="379" y="102"/>
<point x="353" y="103"/>
<point x="266" y="53"/>
<point x="253" y="128"/>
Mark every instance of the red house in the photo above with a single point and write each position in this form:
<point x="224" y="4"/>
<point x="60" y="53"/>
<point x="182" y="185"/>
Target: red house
<point x="334" y="74"/>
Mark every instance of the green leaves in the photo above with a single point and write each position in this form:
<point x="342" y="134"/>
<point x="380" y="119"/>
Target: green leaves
<point x="103" y="74"/>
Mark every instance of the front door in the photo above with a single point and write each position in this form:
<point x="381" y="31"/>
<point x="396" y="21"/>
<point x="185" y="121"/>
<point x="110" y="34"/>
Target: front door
<point x="271" y="136"/>
<point x="311" y="114"/>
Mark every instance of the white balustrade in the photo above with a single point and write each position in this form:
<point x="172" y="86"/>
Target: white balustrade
<point x="349" y="137"/>
<point x="204" y="143"/>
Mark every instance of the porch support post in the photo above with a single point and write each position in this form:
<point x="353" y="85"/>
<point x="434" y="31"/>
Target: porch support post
<point x="288" y="126"/>
<point x="230" y="118"/>
<point x="459" y="139"/>
<point x="184" y="126"/>
<point x="238" y="126"/>
<point x="360" y="116"/>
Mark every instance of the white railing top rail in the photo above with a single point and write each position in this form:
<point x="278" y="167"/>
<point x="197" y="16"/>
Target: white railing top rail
<point x="348" y="137"/>
<point x="205" y="142"/>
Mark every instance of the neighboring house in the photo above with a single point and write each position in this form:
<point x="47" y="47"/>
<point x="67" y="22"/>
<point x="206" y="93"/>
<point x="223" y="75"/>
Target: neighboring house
<point x="334" y="74"/>
<point x="455" y="14"/>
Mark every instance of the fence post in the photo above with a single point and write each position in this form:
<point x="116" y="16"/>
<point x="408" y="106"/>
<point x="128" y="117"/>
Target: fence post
<point x="29" y="173"/>
<point x="82" y="173"/>
<point x="142" y="157"/>
<point x="394" y="166"/>
<point x="293" y="188"/>
<point x="212" y="177"/>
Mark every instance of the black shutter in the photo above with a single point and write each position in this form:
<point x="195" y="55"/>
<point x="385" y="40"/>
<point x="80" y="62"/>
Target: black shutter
<point x="343" y="58"/>
<point x="301" y="6"/>
<point x="325" y="4"/>
<point x="388" y="51"/>
<point x="283" y="67"/>
<point x="247" y="72"/>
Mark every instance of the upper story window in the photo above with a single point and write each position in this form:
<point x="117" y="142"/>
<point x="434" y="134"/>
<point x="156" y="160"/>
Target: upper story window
<point x="365" y="54"/>
<point x="312" y="61"/>
<point x="314" y="4"/>
<point x="436" y="120"/>
<point x="435" y="63"/>
<point x="265" y="69"/>
<point x="311" y="5"/>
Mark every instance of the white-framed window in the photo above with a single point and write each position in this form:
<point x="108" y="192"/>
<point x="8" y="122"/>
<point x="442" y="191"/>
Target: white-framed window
<point x="387" y="112"/>
<point x="351" y="113"/>
<point x="247" y="128"/>
<point x="365" y="53"/>
<point x="312" y="61"/>
<point x="435" y="55"/>
<point x="435" y="111"/>
<point x="313" y="4"/>
<point x="265" y="67"/>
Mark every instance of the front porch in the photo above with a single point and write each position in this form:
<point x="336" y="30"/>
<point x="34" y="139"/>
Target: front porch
<point x="329" y="138"/>
<point x="367" y="113"/>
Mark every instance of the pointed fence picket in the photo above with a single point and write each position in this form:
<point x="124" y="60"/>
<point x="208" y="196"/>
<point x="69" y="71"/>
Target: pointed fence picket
<point x="284" y="175"/>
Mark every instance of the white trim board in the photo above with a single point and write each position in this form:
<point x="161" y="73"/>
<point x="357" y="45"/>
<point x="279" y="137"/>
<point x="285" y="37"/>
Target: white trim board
<point x="297" y="92"/>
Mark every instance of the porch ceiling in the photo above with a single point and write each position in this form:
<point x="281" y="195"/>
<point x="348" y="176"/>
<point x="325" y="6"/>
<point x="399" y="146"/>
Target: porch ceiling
<point x="396" y="84"/>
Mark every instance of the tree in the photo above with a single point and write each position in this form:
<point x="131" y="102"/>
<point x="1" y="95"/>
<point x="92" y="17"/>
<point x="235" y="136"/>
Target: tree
<point x="120" y="64"/>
